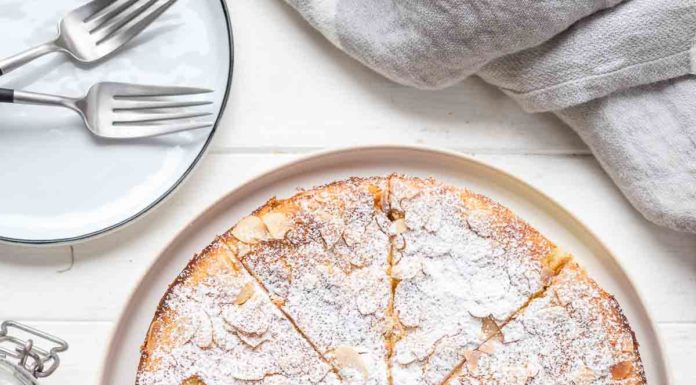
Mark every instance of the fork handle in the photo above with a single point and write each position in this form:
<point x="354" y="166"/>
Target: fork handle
<point x="20" y="59"/>
<point x="24" y="97"/>
<point x="6" y="96"/>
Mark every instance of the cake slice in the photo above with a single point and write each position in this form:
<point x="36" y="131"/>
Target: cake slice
<point x="216" y="326"/>
<point x="322" y="255"/>
<point x="462" y="265"/>
<point x="573" y="334"/>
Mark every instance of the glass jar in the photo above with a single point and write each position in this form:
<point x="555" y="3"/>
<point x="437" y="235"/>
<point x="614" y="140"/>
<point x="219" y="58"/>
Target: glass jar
<point x="11" y="374"/>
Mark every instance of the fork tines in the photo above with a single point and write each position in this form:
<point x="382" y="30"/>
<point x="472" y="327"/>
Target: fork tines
<point x="159" y="109"/>
<point x="121" y="20"/>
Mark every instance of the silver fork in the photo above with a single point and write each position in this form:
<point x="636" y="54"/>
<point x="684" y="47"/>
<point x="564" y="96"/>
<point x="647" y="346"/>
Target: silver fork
<point x="95" y="30"/>
<point x="122" y="111"/>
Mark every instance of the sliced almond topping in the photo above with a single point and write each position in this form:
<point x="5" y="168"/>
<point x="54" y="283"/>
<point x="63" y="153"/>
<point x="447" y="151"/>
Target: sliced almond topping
<point x="488" y="346"/>
<point x="195" y="380"/>
<point x="489" y="328"/>
<point x="249" y="319"/>
<point x="406" y="269"/>
<point x="250" y="229"/>
<point x="155" y="331"/>
<point x="290" y="364"/>
<point x="244" y="294"/>
<point x="621" y="370"/>
<point x="368" y="300"/>
<point x="243" y="249"/>
<point x="400" y="226"/>
<point x="584" y="376"/>
<point x="347" y="357"/>
<point x="183" y="331"/>
<point x="204" y="335"/>
<point x="278" y="224"/>
<point x="252" y="340"/>
<point x="231" y="263"/>
<point x="276" y="379"/>
<point x="514" y="331"/>
<point x="532" y="369"/>
<point x="472" y="358"/>
<point x="627" y="343"/>
<point x="248" y="371"/>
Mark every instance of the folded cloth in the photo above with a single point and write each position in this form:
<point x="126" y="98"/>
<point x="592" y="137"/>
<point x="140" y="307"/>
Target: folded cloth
<point x="592" y="62"/>
<point x="645" y="138"/>
<point x="637" y="42"/>
<point x="437" y="43"/>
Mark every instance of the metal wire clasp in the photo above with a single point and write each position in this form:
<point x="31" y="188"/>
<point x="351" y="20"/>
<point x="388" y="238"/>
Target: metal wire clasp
<point x="38" y="361"/>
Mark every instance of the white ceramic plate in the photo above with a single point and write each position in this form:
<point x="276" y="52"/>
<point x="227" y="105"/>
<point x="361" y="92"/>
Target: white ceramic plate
<point x="58" y="183"/>
<point x="543" y="213"/>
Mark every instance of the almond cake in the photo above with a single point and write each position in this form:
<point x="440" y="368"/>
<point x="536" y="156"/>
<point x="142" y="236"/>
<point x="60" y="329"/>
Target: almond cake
<point x="387" y="281"/>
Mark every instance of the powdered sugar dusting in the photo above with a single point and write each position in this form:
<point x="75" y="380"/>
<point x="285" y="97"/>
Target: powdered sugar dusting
<point x="574" y="334"/>
<point x="219" y="342"/>
<point x="455" y="268"/>
<point x="329" y="275"/>
<point x="386" y="281"/>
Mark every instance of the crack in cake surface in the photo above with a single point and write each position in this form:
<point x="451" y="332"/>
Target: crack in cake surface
<point x="287" y="317"/>
<point x="336" y="254"/>
<point x="573" y="333"/>
<point x="395" y="330"/>
<point x="204" y="334"/>
<point x="390" y="280"/>
<point x="462" y="259"/>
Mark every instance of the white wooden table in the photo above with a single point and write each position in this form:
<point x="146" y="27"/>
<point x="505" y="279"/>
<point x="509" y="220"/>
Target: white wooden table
<point x="294" y="93"/>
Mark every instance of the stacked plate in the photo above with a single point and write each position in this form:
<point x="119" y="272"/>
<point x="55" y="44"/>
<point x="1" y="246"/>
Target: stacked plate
<point x="59" y="182"/>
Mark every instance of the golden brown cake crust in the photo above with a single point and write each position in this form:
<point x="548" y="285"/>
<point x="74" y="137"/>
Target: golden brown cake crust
<point x="206" y="262"/>
<point x="336" y="264"/>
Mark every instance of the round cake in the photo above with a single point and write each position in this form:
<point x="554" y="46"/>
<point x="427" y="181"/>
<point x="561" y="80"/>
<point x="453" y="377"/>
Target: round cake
<point x="387" y="281"/>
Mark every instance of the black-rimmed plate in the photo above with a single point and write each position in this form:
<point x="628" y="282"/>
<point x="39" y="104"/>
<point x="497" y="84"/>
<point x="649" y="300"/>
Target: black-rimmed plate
<point x="60" y="184"/>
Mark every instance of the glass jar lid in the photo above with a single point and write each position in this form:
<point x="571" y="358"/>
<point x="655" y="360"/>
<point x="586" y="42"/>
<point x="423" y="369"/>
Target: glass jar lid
<point x="21" y="360"/>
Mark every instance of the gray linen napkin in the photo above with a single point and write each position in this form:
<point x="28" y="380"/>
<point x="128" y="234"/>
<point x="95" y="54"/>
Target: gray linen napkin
<point x="645" y="138"/>
<point x="634" y="43"/>
<point x="603" y="66"/>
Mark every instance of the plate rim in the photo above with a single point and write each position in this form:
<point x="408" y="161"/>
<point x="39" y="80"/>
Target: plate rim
<point x="250" y="182"/>
<point x="170" y="191"/>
